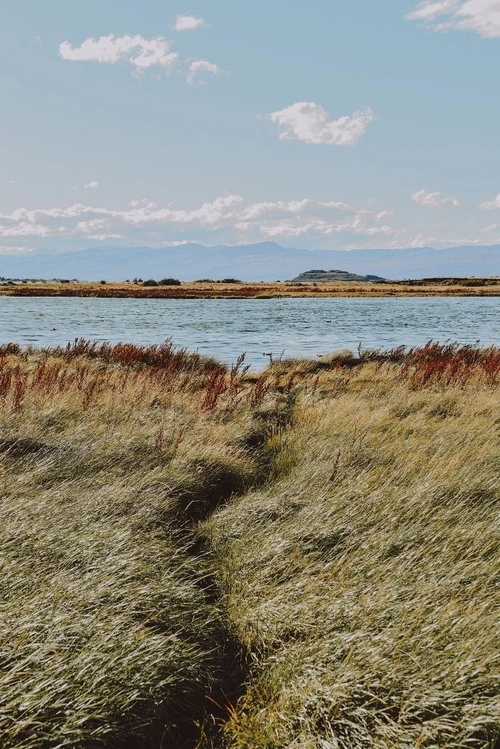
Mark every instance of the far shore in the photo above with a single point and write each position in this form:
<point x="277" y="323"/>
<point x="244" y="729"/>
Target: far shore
<point x="257" y="290"/>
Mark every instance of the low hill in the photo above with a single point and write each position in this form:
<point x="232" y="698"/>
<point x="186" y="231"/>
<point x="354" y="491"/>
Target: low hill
<point x="323" y="276"/>
<point x="266" y="261"/>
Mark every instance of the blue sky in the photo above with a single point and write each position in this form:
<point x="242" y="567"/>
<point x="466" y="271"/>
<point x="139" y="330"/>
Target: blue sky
<point x="327" y="124"/>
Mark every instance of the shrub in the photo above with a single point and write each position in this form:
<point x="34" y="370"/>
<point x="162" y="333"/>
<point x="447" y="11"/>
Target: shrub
<point x="230" y="280"/>
<point x="475" y="282"/>
<point x="150" y="282"/>
<point x="169" y="282"/>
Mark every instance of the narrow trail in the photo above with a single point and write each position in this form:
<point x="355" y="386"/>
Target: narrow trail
<point x="202" y="727"/>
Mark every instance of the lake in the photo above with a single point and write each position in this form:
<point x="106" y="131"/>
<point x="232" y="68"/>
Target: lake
<point x="225" y="328"/>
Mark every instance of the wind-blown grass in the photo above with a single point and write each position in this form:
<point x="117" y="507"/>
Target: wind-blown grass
<point x="336" y="519"/>
<point x="363" y="583"/>
<point x="106" y="634"/>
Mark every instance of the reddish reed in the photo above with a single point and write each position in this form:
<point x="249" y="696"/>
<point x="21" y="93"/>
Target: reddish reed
<point x="159" y="356"/>
<point x="450" y="364"/>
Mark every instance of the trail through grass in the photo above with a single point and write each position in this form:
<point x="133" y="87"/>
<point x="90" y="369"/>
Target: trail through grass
<point x="325" y="533"/>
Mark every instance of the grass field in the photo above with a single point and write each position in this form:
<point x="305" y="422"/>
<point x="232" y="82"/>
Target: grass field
<point x="200" y="557"/>
<point x="211" y="290"/>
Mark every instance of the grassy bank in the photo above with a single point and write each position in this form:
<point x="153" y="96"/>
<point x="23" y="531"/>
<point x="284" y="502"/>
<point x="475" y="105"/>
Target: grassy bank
<point x="263" y="290"/>
<point x="334" y="522"/>
<point x="106" y="635"/>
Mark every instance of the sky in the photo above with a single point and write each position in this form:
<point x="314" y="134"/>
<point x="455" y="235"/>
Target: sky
<point x="327" y="124"/>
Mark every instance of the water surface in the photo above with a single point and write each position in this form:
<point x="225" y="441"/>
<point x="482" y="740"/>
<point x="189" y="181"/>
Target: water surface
<point x="225" y="328"/>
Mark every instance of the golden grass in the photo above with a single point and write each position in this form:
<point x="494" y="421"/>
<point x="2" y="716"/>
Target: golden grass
<point x="337" y="520"/>
<point x="362" y="584"/>
<point x="106" y="635"/>
<point x="263" y="290"/>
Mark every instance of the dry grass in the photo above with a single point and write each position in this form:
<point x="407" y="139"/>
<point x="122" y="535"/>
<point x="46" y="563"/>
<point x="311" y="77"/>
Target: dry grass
<point x="363" y="584"/>
<point x="358" y="581"/>
<point x="263" y="290"/>
<point x="106" y="634"/>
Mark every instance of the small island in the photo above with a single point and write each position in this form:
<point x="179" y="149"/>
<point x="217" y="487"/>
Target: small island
<point x="332" y="276"/>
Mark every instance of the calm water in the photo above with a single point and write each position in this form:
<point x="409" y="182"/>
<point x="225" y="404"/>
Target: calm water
<point x="225" y="328"/>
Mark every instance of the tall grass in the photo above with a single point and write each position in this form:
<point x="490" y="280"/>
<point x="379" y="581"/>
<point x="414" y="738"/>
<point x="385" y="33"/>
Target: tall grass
<point x="335" y="521"/>
<point x="108" y="456"/>
<point x="363" y="584"/>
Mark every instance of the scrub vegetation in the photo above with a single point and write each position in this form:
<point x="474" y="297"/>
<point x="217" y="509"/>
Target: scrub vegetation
<point x="171" y="288"/>
<point x="195" y="556"/>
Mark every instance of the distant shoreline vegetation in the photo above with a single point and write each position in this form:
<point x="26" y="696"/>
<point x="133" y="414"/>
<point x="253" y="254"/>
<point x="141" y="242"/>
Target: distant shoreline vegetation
<point x="309" y="284"/>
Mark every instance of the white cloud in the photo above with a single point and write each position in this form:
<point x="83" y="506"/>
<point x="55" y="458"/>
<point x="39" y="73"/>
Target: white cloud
<point x="421" y="240"/>
<point x="142" y="203"/>
<point x="87" y="227"/>
<point x="479" y="16"/>
<point x="24" y="229"/>
<point x="230" y="219"/>
<point x="93" y="185"/>
<point x="491" y="205"/>
<point x="428" y="10"/>
<point x="201" y="68"/>
<point x="140" y="52"/>
<point x="209" y="215"/>
<point x="7" y="182"/>
<point x="435" y="200"/>
<point x="104" y="237"/>
<point x="292" y="218"/>
<point x="298" y="207"/>
<point x="73" y="211"/>
<point x="188" y="23"/>
<point x="14" y="250"/>
<point x="312" y="219"/>
<point x="359" y="224"/>
<point x="308" y="122"/>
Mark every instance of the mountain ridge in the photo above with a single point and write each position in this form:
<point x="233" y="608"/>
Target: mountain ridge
<point x="264" y="261"/>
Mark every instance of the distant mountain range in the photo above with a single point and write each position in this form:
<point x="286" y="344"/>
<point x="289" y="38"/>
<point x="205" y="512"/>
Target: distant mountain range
<point x="265" y="261"/>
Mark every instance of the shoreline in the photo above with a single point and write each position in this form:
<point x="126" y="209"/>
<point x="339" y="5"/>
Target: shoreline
<point x="258" y="290"/>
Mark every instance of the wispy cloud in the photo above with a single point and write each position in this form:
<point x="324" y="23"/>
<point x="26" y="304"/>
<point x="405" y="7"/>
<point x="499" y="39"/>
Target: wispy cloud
<point x="140" y="52"/>
<point x="24" y="229"/>
<point x="246" y="220"/>
<point x="491" y="205"/>
<point x="200" y="68"/>
<point x="259" y="211"/>
<point x="479" y="16"/>
<point x="435" y="200"/>
<point x="14" y="249"/>
<point x="187" y="23"/>
<point x="230" y="218"/>
<point x="93" y="185"/>
<point x="308" y="122"/>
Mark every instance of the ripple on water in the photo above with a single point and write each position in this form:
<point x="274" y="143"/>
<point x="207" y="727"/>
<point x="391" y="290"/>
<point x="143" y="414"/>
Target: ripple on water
<point x="225" y="328"/>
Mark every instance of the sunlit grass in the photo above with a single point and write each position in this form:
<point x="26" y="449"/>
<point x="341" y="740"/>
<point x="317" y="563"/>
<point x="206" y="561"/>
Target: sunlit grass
<point x="106" y="635"/>
<point x="336" y="519"/>
<point x="363" y="583"/>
